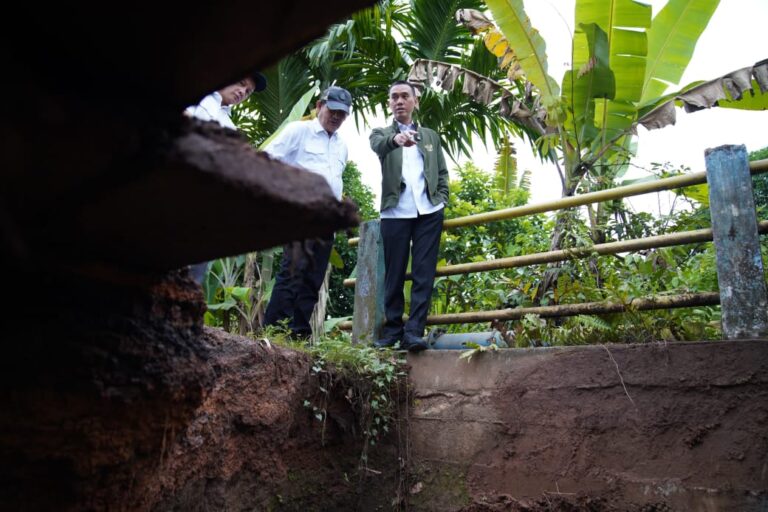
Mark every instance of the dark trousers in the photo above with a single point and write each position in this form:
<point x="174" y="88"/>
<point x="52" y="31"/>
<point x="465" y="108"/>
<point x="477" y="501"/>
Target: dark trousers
<point x="422" y="237"/>
<point x="297" y="285"/>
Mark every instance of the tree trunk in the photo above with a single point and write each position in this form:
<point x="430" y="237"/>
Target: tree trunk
<point x="574" y="174"/>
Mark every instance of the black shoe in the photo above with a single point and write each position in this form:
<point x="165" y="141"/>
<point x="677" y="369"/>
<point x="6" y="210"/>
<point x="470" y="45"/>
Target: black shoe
<point x="413" y="343"/>
<point x="384" y="343"/>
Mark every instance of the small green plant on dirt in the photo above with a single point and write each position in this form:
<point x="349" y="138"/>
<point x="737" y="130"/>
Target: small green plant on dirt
<point x="237" y="290"/>
<point x="224" y="295"/>
<point x="370" y="380"/>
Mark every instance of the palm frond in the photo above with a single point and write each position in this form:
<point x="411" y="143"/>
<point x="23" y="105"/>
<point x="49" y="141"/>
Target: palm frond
<point x="505" y="169"/>
<point x="433" y="33"/>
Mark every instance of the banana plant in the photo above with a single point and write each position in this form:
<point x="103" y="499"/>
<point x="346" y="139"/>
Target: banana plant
<point x="623" y="61"/>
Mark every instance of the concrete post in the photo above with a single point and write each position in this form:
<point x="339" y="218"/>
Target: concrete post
<point x="737" y="244"/>
<point x="368" y="316"/>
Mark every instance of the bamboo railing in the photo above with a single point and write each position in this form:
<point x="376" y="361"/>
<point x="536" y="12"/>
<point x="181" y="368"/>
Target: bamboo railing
<point x="722" y="169"/>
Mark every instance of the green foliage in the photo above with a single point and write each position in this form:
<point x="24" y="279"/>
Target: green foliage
<point x="225" y="296"/>
<point x="369" y="379"/>
<point x="369" y="51"/>
<point x="235" y="304"/>
<point x="477" y="191"/>
<point x="528" y="45"/>
<point x="619" y="278"/>
<point x="671" y="40"/>
<point x="760" y="183"/>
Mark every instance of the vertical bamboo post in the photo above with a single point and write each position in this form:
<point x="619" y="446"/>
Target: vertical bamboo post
<point x="317" y="320"/>
<point x="368" y="314"/>
<point x="737" y="244"/>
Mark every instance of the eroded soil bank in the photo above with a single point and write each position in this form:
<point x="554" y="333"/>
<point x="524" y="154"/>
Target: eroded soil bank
<point x="116" y="398"/>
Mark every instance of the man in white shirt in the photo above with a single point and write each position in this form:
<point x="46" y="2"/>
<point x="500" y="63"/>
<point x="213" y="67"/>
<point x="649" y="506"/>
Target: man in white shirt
<point x="414" y="190"/>
<point x="316" y="146"/>
<point x="217" y="106"/>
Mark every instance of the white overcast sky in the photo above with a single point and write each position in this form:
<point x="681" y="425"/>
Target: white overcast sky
<point x="735" y="38"/>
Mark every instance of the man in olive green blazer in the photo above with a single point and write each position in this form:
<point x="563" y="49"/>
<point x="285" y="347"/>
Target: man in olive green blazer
<point x="414" y="190"/>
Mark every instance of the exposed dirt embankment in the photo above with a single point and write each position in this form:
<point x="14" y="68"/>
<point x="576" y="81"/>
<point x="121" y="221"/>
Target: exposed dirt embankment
<point x="116" y="398"/>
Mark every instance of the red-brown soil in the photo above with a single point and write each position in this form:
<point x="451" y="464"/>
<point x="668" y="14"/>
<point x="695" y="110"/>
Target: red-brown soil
<point x="118" y="399"/>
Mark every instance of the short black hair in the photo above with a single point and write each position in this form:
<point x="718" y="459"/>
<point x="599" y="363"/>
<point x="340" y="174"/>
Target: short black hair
<point x="402" y="82"/>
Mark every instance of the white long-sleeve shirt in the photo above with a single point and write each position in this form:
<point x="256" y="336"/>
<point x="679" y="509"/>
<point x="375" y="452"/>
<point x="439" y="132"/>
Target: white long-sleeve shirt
<point x="413" y="200"/>
<point x="306" y="144"/>
<point x="211" y="109"/>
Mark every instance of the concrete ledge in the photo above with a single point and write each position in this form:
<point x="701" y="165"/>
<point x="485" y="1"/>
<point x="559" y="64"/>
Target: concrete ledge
<point x="679" y="424"/>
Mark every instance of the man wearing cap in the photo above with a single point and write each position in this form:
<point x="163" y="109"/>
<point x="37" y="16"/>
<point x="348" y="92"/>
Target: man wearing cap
<point x="217" y="106"/>
<point x="414" y="189"/>
<point x="315" y="146"/>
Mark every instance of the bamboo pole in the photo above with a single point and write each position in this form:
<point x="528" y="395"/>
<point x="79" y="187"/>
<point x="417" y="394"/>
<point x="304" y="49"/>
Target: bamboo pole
<point x="687" y="180"/>
<point x="685" y="300"/>
<point x="758" y="166"/>
<point x="587" y="308"/>
<point x="639" y="244"/>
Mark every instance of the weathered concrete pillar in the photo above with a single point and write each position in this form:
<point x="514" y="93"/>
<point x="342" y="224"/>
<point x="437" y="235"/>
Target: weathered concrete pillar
<point x="369" y="288"/>
<point x="737" y="244"/>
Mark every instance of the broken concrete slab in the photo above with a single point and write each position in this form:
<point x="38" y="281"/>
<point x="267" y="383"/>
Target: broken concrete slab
<point x="208" y="194"/>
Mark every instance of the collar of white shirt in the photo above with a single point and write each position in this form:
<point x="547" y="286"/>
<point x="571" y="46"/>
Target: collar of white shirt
<point x="317" y="128"/>
<point x="219" y="99"/>
<point x="404" y="127"/>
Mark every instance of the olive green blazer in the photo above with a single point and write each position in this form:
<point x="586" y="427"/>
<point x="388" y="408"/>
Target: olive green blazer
<point x="391" y="158"/>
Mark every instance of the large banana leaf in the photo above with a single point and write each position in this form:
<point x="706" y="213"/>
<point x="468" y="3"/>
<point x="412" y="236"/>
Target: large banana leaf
<point x="529" y="46"/>
<point x="623" y="21"/>
<point x="594" y="79"/>
<point x="671" y="41"/>
<point x="615" y="119"/>
<point x="755" y="100"/>
<point x="745" y="89"/>
<point x="483" y="62"/>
